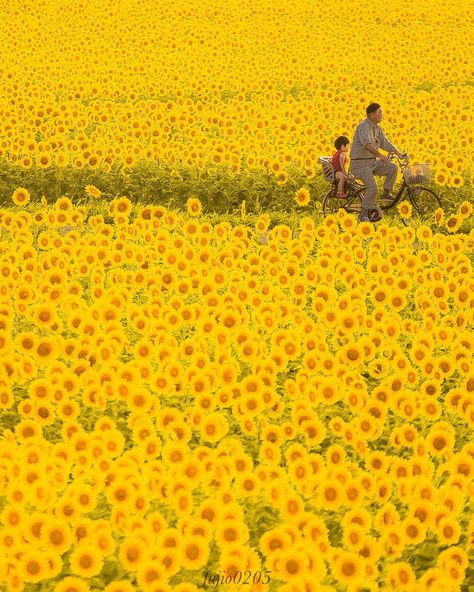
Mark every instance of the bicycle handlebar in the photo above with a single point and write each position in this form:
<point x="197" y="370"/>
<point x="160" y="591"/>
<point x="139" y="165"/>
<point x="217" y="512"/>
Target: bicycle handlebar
<point x="403" y="160"/>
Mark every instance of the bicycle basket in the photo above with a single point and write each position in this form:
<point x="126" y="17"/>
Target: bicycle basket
<point x="417" y="174"/>
<point x="326" y="163"/>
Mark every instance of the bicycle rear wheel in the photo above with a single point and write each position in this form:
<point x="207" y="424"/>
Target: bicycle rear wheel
<point x="424" y="200"/>
<point x="332" y="203"/>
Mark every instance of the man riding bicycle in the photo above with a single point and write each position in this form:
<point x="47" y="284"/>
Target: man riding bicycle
<point x="367" y="161"/>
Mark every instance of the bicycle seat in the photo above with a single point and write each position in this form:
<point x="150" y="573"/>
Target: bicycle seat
<point x="328" y="172"/>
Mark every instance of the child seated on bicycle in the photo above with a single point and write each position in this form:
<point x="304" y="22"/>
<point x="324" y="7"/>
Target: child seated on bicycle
<point x="339" y="164"/>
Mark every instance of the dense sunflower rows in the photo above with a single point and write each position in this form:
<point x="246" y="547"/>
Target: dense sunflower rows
<point x="181" y="398"/>
<point x="192" y="403"/>
<point x="248" y="85"/>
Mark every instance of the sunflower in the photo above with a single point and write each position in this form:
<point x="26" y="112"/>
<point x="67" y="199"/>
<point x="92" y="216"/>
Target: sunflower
<point x="151" y="447"/>
<point x="463" y="464"/>
<point x="352" y="354"/>
<point x="84" y="498"/>
<point x="26" y="342"/>
<point x="183" y="502"/>
<point x="439" y="441"/>
<point x="282" y="177"/>
<point x="292" y="565"/>
<point x="66" y="410"/>
<point x="191" y="228"/>
<point x="377" y="461"/>
<point x="120" y="494"/>
<point x="436" y="580"/>
<point x="155" y="523"/>
<point x="64" y="204"/>
<point x="207" y="510"/>
<point x="140" y="400"/>
<point x="465" y="209"/>
<point x="44" y="315"/>
<point x="314" y="431"/>
<point x="114" y="443"/>
<point x="400" y="574"/>
<point x="353" y="537"/>
<point x="347" y="568"/>
<point x="275" y="539"/>
<point x="397" y="302"/>
<point x="93" y="191"/>
<point x="175" y="453"/>
<point x="169" y="561"/>
<point x="194" y="552"/>
<point x="197" y="527"/>
<point x="104" y="541"/>
<point x="331" y="494"/>
<point x="392" y="542"/>
<point x="353" y="493"/>
<point x="250" y="404"/>
<point x="455" y="555"/>
<point x="302" y="197"/>
<point x="121" y="205"/>
<point x="405" y="209"/>
<point x="21" y="196"/>
<point x="335" y="455"/>
<point x="150" y="575"/>
<point x="6" y="397"/>
<point x="33" y="567"/>
<point x="232" y="563"/>
<point x="194" y="206"/>
<point x="214" y="427"/>
<point x="26" y="162"/>
<point x="291" y="507"/>
<point x="45" y="351"/>
<point x="28" y="430"/>
<point x="262" y="223"/>
<point x="441" y="177"/>
<point x="54" y="563"/>
<point x="45" y="413"/>
<point x="133" y="553"/>
<point x="231" y="532"/>
<point x="380" y="296"/>
<point x="424" y="511"/>
<point x="329" y="392"/>
<point x="453" y="223"/>
<point x="448" y="531"/>
<point x="412" y="531"/>
<point x="43" y="161"/>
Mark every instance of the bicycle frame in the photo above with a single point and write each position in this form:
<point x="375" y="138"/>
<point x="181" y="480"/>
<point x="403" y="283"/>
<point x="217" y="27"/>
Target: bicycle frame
<point x="397" y="197"/>
<point x="354" y="194"/>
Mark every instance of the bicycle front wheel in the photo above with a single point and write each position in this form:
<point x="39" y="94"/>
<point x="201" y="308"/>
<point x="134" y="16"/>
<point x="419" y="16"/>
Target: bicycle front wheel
<point x="424" y="200"/>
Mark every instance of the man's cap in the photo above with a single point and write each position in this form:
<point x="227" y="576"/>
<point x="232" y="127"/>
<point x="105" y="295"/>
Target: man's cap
<point x="371" y="108"/>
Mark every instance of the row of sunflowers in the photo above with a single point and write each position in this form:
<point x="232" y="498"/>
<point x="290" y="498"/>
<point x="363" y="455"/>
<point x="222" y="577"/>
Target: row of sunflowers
<point x="243" y="86"/>
<point x="181" y="401"/>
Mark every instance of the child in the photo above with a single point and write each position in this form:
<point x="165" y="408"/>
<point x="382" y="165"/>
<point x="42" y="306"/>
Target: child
<point x="339" y="163"/>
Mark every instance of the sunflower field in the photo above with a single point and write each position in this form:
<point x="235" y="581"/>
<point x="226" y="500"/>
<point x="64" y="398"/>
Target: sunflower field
<point x="204" y="383"/>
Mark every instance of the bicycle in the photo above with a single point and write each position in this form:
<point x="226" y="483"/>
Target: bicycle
<point x="352" y="203"/>
<point x="413" y="188"/>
